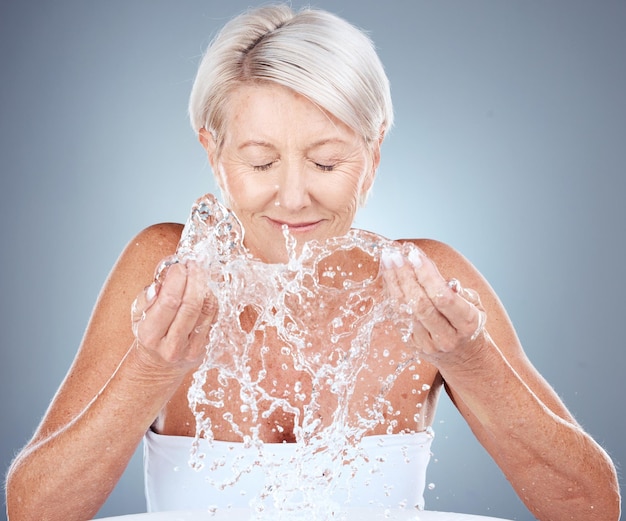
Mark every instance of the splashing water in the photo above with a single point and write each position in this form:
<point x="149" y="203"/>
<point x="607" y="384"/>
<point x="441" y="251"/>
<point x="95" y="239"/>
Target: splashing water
<point x="325" y="384"/>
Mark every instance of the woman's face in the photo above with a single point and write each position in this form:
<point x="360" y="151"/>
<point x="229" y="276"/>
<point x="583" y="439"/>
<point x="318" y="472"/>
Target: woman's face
<point x="285" y="161"/>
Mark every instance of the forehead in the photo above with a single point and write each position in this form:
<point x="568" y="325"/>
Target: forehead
<point x="268" y="110"/>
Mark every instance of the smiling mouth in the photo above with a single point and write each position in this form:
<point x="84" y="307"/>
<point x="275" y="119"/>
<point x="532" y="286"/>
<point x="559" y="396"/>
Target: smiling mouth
<point x="296" y="227"/>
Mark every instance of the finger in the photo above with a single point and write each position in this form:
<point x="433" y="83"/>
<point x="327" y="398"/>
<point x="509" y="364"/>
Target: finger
<point x="390" y="260"/>
<point x="142" y="303"/>
<point x="200" y="335"/>
<point x="190" y="305"/>
<point x="450" y="299"/>
<point x="158" y="320"/>
<point x="407" y="288"/>
<point x="422" y="306"/>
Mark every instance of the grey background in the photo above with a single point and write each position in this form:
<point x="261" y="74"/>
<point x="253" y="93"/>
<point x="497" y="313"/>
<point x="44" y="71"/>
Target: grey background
<point x="509" y="145"/>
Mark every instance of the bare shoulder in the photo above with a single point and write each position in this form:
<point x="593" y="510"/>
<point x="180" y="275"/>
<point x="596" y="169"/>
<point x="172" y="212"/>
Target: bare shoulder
<point x="138" y="261"/>
<point x="160" y="235"/>
<point x="154" y="242"/>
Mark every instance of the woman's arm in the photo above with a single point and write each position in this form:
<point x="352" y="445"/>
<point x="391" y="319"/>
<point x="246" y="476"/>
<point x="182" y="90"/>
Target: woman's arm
<point x="557" y="469"/>
<point x="115" y="387"/>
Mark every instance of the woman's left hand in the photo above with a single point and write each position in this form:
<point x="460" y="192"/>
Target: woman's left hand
<point x="449" y="320"/>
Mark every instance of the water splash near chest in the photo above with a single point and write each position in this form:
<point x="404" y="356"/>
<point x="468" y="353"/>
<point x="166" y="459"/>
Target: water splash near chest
<point x="314" y="340"/>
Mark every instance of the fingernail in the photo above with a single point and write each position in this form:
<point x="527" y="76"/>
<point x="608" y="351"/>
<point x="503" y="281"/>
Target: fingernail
<point x="415" y="258"/>
<point x="151" y="292"/>
<point x="397" y="259"/>
<point x="385" y="258"/>
<point x="391" y="258"/>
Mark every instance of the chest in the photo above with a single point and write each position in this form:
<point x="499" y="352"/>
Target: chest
<point x="277" y="389"/>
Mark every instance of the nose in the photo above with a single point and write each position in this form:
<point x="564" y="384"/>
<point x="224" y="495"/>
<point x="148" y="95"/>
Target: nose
<point x="292" y="189"/>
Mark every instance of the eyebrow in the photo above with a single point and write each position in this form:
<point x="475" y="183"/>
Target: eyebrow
<point x="255" y="143"/>
<point x="316" y="144"/>
<point x="329" y="141"/>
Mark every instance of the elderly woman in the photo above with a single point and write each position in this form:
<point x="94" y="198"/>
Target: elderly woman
<point x="292" y="109"/>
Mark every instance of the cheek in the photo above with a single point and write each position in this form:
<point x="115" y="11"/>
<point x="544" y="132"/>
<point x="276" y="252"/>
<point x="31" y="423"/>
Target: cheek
<point x="345" y="194"/>
<point x="245" y="192"/>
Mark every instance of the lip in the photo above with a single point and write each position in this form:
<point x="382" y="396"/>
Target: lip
<point x="299" y="227"/>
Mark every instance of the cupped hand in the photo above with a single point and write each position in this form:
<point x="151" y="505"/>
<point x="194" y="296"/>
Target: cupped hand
<point x="173" y="316"/>
<point x="448" y="320"/>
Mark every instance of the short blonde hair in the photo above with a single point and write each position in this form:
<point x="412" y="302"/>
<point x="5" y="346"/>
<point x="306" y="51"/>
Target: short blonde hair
<point x="315" y="53"/>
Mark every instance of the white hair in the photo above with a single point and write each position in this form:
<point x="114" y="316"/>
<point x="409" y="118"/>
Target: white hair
<point x="315" y="53"/>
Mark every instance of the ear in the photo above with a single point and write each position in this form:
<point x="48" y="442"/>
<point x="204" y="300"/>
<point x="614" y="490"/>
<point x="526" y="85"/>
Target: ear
<point x="376" y="155"/>
<point x="371" y="174"/>
<point x="208" y="143"/>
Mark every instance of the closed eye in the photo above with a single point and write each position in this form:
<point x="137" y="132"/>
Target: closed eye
<point x="325" y="168"/>
<point x="262" y="168"/>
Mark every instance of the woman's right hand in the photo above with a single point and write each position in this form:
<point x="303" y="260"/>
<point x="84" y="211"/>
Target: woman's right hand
<point x="172" y="318"/>
<point x="118" y="383"/>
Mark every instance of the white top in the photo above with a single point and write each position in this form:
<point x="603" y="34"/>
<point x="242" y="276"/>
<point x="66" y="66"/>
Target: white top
<point x="356" y="514"/>
<point x="390" y="473"/>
